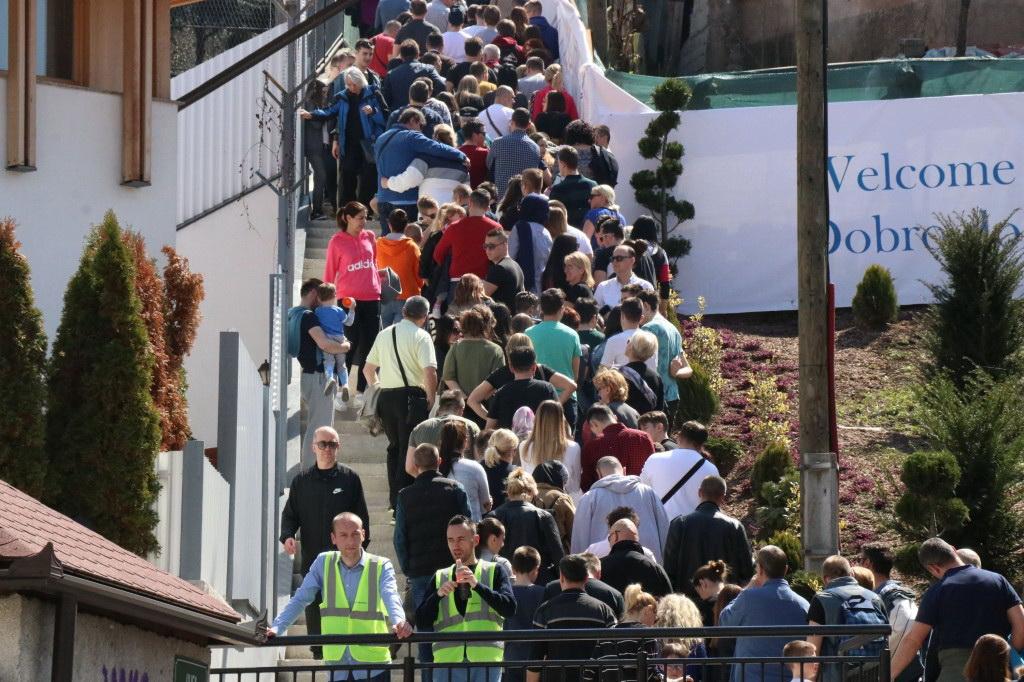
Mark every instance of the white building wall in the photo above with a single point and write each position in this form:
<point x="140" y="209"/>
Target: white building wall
<point x="235" y="249"/>
<point x="78" y="178"/>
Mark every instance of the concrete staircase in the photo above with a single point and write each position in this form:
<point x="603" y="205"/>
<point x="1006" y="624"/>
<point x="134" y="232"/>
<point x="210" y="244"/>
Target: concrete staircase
<point x="360" y="451"/>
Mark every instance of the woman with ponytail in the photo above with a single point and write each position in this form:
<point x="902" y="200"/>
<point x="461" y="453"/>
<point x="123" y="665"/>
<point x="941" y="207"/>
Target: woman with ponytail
<point x="469" y="473"/>
<point x="708" y="581"/>
<point x="499" y="462"/>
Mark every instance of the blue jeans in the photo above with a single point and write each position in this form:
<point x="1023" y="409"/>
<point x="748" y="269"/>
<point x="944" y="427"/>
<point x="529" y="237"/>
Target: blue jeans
<point x="482" y="674"/>
<point x="419" y="587"/>
<point x="390" y="313"/>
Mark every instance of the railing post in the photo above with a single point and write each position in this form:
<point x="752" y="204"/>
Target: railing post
<point x="409" y="668"/>
<point x="885" y="662"/>
<point x="641" y="662"/>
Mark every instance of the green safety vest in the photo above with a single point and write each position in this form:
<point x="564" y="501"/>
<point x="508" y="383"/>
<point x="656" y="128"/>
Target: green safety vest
<point x="365" y="616"/>
<point x="480" y="617"/>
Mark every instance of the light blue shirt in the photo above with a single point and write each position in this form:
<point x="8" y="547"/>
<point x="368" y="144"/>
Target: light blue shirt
<point x="774" y="603"/>
<point x="350" y="577"/>
<point x="670" y="344"/>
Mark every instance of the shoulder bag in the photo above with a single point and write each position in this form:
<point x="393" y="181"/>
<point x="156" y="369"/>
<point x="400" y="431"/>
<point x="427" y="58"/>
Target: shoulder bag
<point x="416" y="407"/>
<point x="682" y="481"/>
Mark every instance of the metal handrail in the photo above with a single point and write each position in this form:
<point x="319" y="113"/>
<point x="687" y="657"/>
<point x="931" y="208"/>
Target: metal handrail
<point x="585" y="634"/>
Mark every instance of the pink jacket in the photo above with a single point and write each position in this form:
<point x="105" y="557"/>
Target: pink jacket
<point x="352" y="265"/>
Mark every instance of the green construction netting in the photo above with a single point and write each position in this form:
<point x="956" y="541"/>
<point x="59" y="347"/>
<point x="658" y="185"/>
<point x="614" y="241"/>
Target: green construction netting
<point x="884" y="79"/>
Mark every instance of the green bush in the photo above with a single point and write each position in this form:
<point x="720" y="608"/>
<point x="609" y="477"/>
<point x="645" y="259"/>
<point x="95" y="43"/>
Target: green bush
<point x="789" y="543"/>
<point x="22" y="372"/>
<point x="780" y="505"/>
<point x="980" y="424"/>
<point x="725" y="452"/>
<point x="976" y="321"/>
<point x="697" y="399"/>
<point x="906" y="562"/>
<point x="770" y="466"/>
<point x="101" y="418"/>
<point x="930" y="503"/>
<point x="874" y="303"/>
<point x="655" y="188"/>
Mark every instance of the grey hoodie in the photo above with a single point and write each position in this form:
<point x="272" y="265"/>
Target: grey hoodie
<point x="614" y="491"/>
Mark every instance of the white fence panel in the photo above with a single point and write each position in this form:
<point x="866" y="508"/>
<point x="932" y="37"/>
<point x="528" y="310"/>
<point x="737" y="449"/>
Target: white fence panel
<point x="219" y="137"/>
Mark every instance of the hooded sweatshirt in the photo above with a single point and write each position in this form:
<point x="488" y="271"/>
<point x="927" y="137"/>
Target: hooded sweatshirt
<point x="614" y="491"/>
<point x="352" y="265"/>
<point x="402" y="255"/>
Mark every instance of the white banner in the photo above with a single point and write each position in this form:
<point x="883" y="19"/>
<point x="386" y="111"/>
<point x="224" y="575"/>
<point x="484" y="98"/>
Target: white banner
<point x="893" y="165"/>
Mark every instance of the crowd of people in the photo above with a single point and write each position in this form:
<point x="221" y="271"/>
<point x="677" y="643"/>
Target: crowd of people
<point x="505" y="330"/>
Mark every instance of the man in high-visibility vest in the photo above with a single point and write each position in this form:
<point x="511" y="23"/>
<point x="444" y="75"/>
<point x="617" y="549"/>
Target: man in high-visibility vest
<point x="472" y="595"/>
<point x="360" y="597"/>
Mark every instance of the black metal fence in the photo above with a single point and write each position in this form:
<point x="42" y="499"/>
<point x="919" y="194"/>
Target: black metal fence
<point x="618" y="655"/>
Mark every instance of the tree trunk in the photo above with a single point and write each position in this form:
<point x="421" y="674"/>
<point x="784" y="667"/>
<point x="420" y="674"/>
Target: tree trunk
<point x="961" y="28"/>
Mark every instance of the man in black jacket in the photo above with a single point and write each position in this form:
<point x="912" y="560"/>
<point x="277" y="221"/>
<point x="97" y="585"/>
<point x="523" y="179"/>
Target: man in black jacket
<point x="594" y="587"/>
<point x="395" y="86"/>
<point x="421" y="521"/>
<point x="707" y="534"/>
<point x="316" y="496"/>
<point x="627" y="563"/>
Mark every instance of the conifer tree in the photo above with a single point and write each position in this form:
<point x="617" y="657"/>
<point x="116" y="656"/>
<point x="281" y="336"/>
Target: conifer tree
<point x="22" y="371"/>
<point x="103" y="430"/>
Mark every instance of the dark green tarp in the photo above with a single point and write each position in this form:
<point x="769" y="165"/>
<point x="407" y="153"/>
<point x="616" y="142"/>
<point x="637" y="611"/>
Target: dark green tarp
<point x="884" y="79"/>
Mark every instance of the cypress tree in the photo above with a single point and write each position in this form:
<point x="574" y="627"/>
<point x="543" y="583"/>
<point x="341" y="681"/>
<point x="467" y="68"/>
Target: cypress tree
<point x="22" y="371"/>
<point x="102" y="422"/>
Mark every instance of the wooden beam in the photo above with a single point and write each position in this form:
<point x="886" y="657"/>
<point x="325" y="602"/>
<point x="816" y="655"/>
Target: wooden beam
<point x="21" y="86"/>
<point x="138" y="93"/>
<point x="162" y="49"/>
<point x="80" y="42"/>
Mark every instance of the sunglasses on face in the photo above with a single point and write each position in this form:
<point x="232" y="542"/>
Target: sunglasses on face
<point x="618" y="259"/>
<point x="327" y="444"/>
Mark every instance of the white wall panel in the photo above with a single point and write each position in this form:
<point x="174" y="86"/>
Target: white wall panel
<point x="219" y="136"/>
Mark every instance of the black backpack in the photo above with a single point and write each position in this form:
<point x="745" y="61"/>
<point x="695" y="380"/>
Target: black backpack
<point x="603" y="166"/>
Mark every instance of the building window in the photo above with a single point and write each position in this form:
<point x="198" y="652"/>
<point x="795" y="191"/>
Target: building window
<point x="54" y="25"/>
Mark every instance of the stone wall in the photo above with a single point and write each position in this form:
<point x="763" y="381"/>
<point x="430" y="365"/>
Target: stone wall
<point x="103" y="647"/>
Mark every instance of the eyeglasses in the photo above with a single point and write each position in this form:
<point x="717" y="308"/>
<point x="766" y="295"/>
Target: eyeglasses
<point x="327" y="444"/>
<point x="618" y="259"/>
<point x="490" y="247"/>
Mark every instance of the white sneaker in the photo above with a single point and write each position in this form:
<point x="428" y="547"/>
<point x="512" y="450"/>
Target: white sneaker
<point x="332" y="383"/>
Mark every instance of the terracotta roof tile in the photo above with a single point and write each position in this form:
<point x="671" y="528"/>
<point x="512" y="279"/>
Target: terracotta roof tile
<point x="26" y="525"/>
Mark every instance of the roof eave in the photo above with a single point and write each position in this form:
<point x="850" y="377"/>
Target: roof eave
<point x="40" y="575"/>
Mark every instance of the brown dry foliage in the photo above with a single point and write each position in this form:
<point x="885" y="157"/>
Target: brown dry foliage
<point x="183" y="292"/>
<point x="165" y="387"/>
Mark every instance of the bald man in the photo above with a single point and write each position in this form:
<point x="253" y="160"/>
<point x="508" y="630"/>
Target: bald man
<point x="316" y="496"/>
<point x="627" y="563"/>
<point x="346" y="573"/>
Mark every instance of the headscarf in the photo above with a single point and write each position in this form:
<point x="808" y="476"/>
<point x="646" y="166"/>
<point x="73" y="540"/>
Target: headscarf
<point x="552" y="473"/>
<point x="522" y="422"/>
<point x="532" y="209"/>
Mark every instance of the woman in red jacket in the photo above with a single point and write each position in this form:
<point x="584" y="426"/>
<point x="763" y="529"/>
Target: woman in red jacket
<point x="352" y="267"/>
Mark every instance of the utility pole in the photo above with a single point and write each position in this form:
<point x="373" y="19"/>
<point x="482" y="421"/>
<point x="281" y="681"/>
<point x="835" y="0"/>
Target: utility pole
<point x="819" y="473"/>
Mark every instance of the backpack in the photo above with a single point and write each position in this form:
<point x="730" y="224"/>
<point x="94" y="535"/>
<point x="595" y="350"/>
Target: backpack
<point x="294" y="329"/>
<point x="857" y="609"/>
<point x="633" y="377"/>
<point x="901" y="610"/>
<point x="390" y="285"/>
<point x="604" y="168"/>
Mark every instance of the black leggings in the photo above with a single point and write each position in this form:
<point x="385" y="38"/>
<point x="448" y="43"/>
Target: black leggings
<point x="361" y="335"/>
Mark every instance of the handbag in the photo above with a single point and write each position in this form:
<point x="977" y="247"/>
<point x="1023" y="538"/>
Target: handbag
<point x="415" y="397"/>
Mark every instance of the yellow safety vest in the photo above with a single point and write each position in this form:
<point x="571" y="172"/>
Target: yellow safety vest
<point x="365" y="616"/>
<point x="480" y="617"/>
